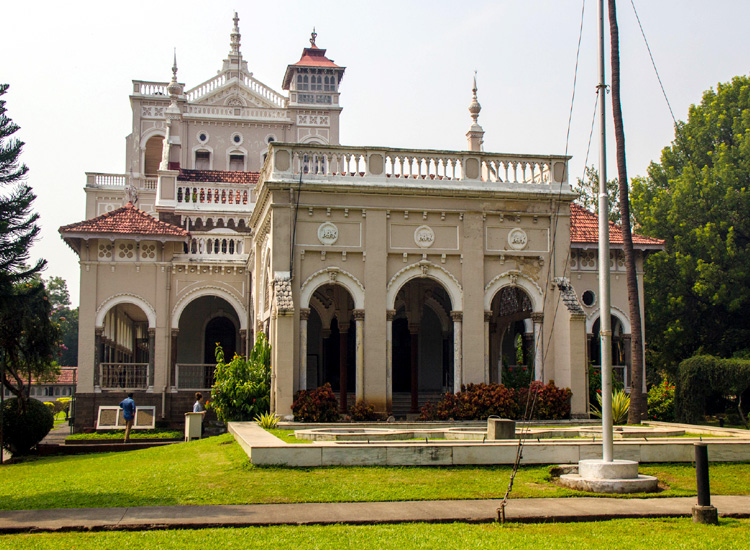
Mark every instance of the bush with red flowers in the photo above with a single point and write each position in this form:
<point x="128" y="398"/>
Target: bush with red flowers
<point x="552" y="403"/>
<point x="318" y="405"/>
<point x="362" y="411"/>
<point x="473" y="402"/>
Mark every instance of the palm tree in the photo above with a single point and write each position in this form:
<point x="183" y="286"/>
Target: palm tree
<point x="637" y="397"/>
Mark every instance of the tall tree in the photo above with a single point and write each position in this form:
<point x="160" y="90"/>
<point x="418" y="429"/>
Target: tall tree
<point x="28" y="338"/>
<point x="698" y="200"/>
<point x="638" y="404"/>
<point x="66" y="319"/>
<point x="18" y="224"/>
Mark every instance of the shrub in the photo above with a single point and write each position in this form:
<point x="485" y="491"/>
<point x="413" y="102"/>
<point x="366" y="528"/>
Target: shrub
<point x="702" y="376"/>
<point x="595" y="383"/>
<point x="242" y="387"/>
<point x="661" y="402"/>
<point x="552" y="403"/>
<point x="318" y="405"/>
<point x="21" y="431"/>
<point x="267" y="421"/>
<point x="362" y="411"/>
<point x="516" y="377"/>
<point x="620" y="407"/>
<point x="473" y="402"/>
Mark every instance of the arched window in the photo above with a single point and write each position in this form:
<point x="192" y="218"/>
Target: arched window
<point x="237" y="162"/>
<point x="302" y="82"/>
<point x="202" y="160"/>
<point x="152" y="156"/>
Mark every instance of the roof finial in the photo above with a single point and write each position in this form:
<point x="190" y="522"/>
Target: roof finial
<point x="234" y="42"/>
<point x="313" y="36"/>
<point x="174" y="66"/>
<point x="475" y="107"/>
<point x="174" y="89"/>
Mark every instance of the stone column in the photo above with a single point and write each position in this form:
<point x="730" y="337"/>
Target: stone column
<point x="487" y="319"/>
<point x="389" y="315"/>
<point x="457" y="317"/>
<point x="343" y="348"/>
<point x="173" y="359"/>
<point x="243" y="342"/>
<point x="414" y="362"/>
<point x="98" y="352"/>
<point x="359" y="320"/>
<point x="538" y="319"/>
<point x="151" y="354"/>
<point x="304" y="314"/>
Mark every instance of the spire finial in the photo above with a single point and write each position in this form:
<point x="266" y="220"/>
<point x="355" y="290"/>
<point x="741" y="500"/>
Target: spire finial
<point x="174" y="66"/>
<point x="313" y="36"/>
<point x="234" y="37"/>
<point x="174" y="89"/>
<point x="475" y="107"/>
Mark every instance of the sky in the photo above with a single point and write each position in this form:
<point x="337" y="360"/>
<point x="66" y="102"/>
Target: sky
<point x="409" y="69"/>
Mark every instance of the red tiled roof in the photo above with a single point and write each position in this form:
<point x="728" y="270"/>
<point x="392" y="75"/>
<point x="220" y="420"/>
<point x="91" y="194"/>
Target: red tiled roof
<point x="314" y="57"/>
<point x="584" y="228"/>
<point x="126" y="220"/>
<point x="67" y="376"/>
<point x="218" y="176"/>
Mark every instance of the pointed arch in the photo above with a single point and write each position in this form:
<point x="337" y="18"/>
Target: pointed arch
<point x="514" y="278"/>
<point x="189" y="297"/>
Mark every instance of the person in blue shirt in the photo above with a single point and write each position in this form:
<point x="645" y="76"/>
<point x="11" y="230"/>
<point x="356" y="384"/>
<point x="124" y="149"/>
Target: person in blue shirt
<point x="128" y="412"/>
<point x="199" y="408"/>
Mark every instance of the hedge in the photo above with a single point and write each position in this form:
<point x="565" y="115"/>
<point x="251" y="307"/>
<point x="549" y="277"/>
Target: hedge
<point x="704" y="375"/>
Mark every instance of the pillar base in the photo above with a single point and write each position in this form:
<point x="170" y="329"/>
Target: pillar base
<point x="616" y="477"/>
<point x="708" y="515"/>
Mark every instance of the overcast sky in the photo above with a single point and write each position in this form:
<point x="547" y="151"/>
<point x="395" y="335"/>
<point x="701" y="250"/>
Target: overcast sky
<point x="407" y="83"/>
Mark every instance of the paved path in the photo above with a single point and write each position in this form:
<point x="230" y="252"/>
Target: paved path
<point x="476" y="511"/>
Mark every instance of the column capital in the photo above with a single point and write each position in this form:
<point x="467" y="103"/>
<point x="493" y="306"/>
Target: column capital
<point x="487" y="316"/>
<point x="343" y="328"/>
<point x="304" y="314"/>
<point x="457" y="316"/>
<point x="175" y="332"/>
<point x="390" y="314"/>
<point x="243" y="332"/>
<point x="98" y="331"/>
<point x="413" y="328"/>
<point x="358" y="314"/>
<point x="537" y="317"/>
<point x="151" y="331"/>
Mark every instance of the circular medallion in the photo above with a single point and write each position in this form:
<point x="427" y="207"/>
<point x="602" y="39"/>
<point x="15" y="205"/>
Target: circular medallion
<point x="517" y="239"/>
<point x="328" y="233"/>
<point x="424" y="236"/>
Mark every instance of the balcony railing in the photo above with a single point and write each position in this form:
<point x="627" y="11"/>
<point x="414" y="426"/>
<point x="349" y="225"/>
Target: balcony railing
<point x="216" y="246"/>
<point x="123" y="376"/>
<point x="207" y="196"/>
<point x="120" y="181"/>
<point x="337" y="162"/>
<point x="194" y="376"/>
<point x="219" y="80"/>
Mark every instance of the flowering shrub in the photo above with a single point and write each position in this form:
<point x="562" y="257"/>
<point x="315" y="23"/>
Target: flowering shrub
<point x="516" y="377"/>
<point x="362" y="411"/>
<point x="595" y="383"/>
<point x="661" y="402"/>
<point x="552" y="403"/>
<point x="473" y="402"/>
<point x="318" y="405"/>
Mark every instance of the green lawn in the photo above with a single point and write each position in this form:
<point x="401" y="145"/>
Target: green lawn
<point x="120" y="434"/>
<point x="215" y="470"/>
<point x="618" y="534"/>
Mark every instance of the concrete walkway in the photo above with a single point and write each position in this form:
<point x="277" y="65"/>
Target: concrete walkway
<point x="439" y="511"/>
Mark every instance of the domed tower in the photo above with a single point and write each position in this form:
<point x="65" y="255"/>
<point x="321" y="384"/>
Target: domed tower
<point x="475" y="135"/>
<point x="313" y="86"/>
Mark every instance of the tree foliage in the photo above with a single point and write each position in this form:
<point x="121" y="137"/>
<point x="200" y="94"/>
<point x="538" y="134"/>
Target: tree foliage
<point x="67" y="320"/>
<point x="24" y="424"/>
<point x="242" y="387"/>
<point x="588" y="194"/>
<point x="698" y="200"/>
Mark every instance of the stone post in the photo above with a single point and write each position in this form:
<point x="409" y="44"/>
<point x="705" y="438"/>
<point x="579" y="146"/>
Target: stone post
<point x="487" y="319"/>
<point x="359" y="320"/>
<point x="173" y="359"/>
<point x="304" y="315"/>
<point x="457" y="317"/>
<point x="538" y="319"/>
<point x="343" y="348"/>
<point x="414" y="363"/>
<point x="98" y="352"/>
<point x="389" y="315"/>
<point x="151" y="354"/>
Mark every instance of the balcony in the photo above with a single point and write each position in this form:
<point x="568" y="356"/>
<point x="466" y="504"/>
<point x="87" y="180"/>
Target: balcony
<point x="99" y="180"/>
<point x="212" y="197"/>
<point x="194" y="376"/>
<point x="214" y="246"/>
<point x="124" y="376"/>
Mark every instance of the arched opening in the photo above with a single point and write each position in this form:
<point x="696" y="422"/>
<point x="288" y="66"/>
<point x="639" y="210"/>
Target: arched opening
<point x="152" y="156"/>
<point x="331" y="342"/>
<point x="620" y="351"/>
<point x="124" y="349"/>
<point x="205" y="322"/>
<point x="422" y="333"/>
<point x="512" y="346"/>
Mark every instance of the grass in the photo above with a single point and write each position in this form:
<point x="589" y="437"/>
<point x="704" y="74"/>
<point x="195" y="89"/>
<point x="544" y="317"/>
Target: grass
<point x="616" y="534"/>
<point x="134" y="434"/>
<point x="287" y="436"/>
<point x="215" y="470"/>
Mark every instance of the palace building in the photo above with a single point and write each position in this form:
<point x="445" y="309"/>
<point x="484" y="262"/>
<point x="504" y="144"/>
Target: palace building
<point x="395" y="275"/>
